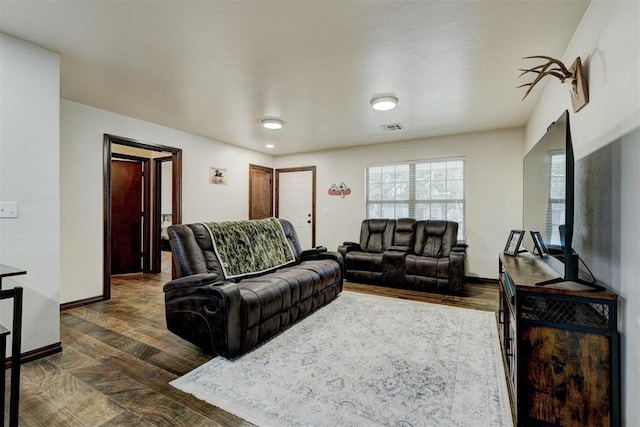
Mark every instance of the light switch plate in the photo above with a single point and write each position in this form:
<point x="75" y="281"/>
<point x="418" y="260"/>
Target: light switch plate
<point x="8" y="209"/>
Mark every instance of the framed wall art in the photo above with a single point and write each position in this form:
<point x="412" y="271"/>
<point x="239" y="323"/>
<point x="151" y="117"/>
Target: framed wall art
<point x="217" y="175"/>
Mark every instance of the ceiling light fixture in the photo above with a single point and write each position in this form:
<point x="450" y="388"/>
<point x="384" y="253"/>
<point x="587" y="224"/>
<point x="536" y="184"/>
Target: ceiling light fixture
<point x="269" y="145"/>
<point x="272" y="123"/>
<point x="384" y="103"/>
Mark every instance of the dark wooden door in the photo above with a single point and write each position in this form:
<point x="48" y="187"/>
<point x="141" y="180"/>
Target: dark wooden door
<point x="260" y="192"/>
<point x="126" y="216"/>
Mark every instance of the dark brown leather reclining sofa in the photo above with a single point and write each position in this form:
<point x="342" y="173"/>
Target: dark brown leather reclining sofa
<point x="405" y="253"/>
<point x="229" y="317"/>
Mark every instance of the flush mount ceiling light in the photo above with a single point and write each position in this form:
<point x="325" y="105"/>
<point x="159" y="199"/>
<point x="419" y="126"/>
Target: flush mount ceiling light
<point x="384" y="103"/>
<point x="272" y="123"/>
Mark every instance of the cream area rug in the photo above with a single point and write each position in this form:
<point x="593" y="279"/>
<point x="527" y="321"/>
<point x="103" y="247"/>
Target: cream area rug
<point x="366" y="360"/>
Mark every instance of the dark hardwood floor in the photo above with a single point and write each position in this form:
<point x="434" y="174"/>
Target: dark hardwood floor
<point x="118" y="359"/>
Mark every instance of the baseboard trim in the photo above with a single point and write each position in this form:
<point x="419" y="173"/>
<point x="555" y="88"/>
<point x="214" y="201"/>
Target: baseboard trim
<point x="481" y="280"/>
<point x="36" y="354"/>
<point x="81" y="302"/>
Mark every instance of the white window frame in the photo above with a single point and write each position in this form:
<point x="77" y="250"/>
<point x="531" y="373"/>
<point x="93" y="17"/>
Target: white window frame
<point x="409" y="191"/>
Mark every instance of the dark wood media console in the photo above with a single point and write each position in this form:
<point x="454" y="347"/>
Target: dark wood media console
<point x="561" y="347"/>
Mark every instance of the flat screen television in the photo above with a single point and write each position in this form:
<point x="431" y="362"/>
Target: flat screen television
<point x="548" y="197"/>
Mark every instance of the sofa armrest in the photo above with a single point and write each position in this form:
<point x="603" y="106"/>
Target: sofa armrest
<point x="189" y="281"/>
<point x="208" y="315"/>
<point x="312" y="252"/>
<point x="460" y="247"/>
<point x="393" y="264"/>
<point x="457" y="269"/>
<point x="403" y="249"/>
<point x="347" y="247"/>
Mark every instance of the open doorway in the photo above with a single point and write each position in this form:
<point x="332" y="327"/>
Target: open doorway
<point x="153" y="215"/>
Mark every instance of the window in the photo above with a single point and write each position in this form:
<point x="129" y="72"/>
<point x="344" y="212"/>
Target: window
<point x="424" y="189"/>
<point x="557" y="196"/>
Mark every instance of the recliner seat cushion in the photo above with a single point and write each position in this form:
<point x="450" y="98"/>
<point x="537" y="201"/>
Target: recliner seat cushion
<point x="427" y="266"/>
<point x="363" y="261"/>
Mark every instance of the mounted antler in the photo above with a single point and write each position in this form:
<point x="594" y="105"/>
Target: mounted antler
<point x="547" y="69"/>
<point x="553" y="67"/>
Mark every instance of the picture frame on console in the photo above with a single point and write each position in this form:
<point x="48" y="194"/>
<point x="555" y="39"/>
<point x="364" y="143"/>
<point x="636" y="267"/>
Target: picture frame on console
<point x="512" y="247"/>
<point x="540" y="248"/>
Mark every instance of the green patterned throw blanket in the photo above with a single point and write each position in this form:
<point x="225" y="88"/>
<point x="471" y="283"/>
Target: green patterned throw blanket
<point x="250" y="247"/>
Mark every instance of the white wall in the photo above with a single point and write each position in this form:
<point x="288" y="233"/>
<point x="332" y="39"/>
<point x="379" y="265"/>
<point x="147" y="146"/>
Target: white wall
<point x="606" y="138"/>
<point x="493" y="188"/>
<point x="29" y="175"/>
<point x="81" y="186"/>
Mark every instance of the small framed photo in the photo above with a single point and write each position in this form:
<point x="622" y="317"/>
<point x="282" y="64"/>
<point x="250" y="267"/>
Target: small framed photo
<point x="513" y="243"/>
<point x="217" y="175"/>
<point x="538" y="242"/>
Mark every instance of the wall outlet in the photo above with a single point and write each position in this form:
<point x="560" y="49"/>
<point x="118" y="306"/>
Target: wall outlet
<point x="8" y="209"/>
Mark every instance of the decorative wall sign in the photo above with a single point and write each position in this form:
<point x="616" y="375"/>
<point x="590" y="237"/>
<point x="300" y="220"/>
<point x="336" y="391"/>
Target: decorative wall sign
<point x="339" y="190"/>
<point x="217" y="175"/>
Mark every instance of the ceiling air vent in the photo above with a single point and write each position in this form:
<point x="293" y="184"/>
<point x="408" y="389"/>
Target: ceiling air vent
<point x="392" y="127"/>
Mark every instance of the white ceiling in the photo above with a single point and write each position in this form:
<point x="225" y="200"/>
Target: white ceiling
<point x="216" y="68"/>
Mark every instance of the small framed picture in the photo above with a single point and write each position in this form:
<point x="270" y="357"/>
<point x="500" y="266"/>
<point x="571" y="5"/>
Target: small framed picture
<point x="513" y="243"/>
<point x="540" y="247"/>
<point x="217" y="175"/>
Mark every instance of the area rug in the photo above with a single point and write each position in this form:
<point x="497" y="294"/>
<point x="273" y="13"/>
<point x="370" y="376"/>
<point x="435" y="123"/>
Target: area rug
<point x="366" y="360"/>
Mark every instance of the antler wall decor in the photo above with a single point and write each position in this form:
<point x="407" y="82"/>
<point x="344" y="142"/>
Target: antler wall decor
<point x="553" y="67"/>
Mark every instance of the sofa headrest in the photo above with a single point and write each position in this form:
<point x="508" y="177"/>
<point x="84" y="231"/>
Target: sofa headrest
<point x="435" y="238"/>
<point x="376" y="235"/>
<point x="377" y="225"/>
<point x="405" y="224"/>
<point x="292" y="237"/>
<point x="436" y="227"/>
<point x="405" y="234"/>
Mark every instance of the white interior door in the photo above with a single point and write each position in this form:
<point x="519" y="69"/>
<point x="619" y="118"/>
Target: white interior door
<point x="295" y="203"/>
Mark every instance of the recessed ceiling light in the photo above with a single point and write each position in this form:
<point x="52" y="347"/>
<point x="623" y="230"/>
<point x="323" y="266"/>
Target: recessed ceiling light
<point x="384" y="103"/>
<point x="272" y="123"/>
<point x="269" y="145"/>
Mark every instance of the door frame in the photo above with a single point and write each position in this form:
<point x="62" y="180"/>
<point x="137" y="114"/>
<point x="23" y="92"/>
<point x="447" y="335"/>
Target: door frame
<point x="264" y="169"/>
<point x="176" y="193"/>
<point x="313" y="195"/>
<point x="146" y="206"/>
<point x="157" y="214"/>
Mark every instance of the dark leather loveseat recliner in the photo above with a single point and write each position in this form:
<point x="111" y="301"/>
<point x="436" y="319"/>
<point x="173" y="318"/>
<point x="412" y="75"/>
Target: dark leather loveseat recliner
<point x="406" y="253"/>
<point x="229" y="317"/>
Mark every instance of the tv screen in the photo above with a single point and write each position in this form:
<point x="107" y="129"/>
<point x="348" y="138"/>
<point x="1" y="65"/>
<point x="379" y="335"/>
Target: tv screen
<point x="548" y="194"/>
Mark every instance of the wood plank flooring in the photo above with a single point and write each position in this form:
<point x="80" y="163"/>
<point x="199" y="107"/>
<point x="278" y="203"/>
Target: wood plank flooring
<point x="118" y="359"/>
